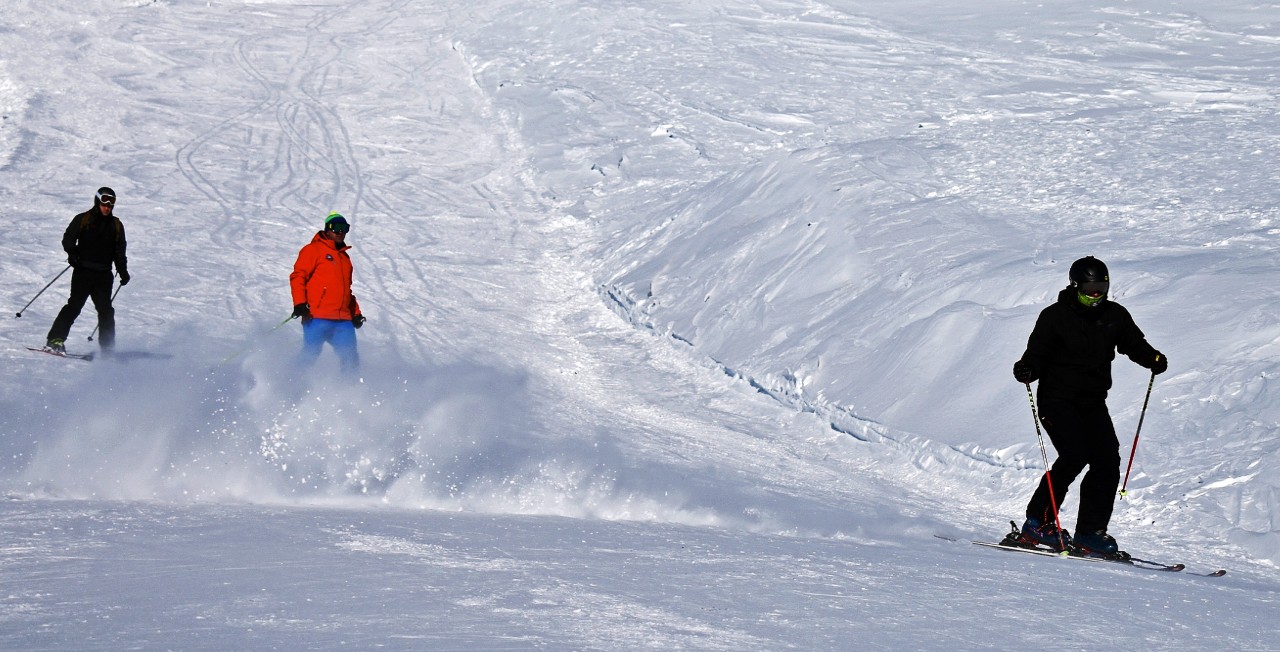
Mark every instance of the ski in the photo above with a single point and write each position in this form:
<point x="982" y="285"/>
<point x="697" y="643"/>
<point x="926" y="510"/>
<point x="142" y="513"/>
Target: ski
<point x="75" y="356"/>
<point x="1218" y="573"/>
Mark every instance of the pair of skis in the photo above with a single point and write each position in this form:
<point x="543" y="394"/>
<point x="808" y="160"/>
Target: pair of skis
<point x="1013" y="542"/>
<point x="87" y="357"/>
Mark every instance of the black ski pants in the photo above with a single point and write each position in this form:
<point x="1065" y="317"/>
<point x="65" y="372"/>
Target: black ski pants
<point x="1083" y="435"/>
<point x="88" y="284"/>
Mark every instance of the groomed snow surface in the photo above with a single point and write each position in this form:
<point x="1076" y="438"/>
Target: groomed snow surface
<point x="690" y="323"/>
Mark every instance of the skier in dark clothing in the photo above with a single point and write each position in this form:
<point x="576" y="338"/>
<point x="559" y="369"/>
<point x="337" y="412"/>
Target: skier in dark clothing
<point x="93" y="241"/>
<point x="1070" y="352"/>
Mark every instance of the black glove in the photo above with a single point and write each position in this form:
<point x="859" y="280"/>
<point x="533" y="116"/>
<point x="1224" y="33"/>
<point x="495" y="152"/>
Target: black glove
<point x="358" y="321"/>
<point x="73" y="260"/>
<point x="124" y="277"/>
<point x="1160" y="364"/>
<point x="1023" y="373"/>
<point x="304" y="311"/>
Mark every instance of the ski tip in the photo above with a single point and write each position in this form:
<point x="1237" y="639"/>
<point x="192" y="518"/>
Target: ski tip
<point x="1218" y="573"/>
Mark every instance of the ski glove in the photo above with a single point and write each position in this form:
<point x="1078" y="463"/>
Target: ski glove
<point x="304" y="311"/>
<point x="124" y="277"/>
<point x="1160" y="364"/>
<point x="358" y="321"/>
<point x="1023" y="372"/>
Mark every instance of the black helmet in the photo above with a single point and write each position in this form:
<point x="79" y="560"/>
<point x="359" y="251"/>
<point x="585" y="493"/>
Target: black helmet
<point x="105" y="195"/>
<point x="1088" y="269"/>
<point x="1091" y="280"/>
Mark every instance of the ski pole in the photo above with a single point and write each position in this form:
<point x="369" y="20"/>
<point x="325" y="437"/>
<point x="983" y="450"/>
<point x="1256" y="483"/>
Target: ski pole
<point x="1048" y="479"/>
<point x="113" y="300"/>
<point x="246" y="349"/>
<point x="37" y="296"/>
<point x="1134" y="450"/>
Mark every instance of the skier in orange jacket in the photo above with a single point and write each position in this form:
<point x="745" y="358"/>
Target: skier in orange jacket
<point x="321" y="287"/>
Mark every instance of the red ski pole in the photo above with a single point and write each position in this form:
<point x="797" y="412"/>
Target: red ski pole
<point x="1048" y="479"/>
<point x="1134" y="450"/>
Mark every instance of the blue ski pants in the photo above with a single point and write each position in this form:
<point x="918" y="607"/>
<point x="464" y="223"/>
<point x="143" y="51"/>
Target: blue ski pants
<point x="339" y="333"/>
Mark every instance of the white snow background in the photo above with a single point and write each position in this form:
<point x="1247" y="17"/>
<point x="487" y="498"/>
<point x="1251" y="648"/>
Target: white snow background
<point x="690" y="323"/>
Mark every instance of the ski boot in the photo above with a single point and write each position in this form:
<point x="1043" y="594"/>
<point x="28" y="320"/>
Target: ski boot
<point x="56" y="345"/>
<point x="1035" y="533"/>
<point x="1098" y="544"/>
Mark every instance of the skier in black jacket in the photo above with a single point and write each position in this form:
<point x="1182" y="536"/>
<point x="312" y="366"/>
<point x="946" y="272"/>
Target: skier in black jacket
<point x="93" y="241"/>
<point x="1070" y="353"/>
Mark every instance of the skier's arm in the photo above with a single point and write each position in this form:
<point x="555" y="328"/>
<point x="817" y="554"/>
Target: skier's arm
<point x="1133" y="343"/>
<point x="302" y="270"/>
<point x="122" y="261"/>
<point x="69" y="238"/>
<point x="1039" y="346"/>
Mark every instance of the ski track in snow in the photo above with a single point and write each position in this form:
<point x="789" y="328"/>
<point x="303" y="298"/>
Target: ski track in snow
<point x="313" y="147"/>
<point x="310" y="159"/>
<point x="652" y="307"/>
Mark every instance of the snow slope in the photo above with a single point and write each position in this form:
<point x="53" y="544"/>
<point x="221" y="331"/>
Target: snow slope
<point x="690" y="324"/>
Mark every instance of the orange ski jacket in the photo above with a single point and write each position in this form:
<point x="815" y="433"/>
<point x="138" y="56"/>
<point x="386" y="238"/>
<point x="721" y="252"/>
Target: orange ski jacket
<point x="321" y="279"/>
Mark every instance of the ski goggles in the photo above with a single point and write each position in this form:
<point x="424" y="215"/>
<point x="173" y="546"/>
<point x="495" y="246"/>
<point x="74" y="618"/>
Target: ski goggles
<point x="105" y="198"/>
<point x="1094" y="288"/>
<point x="336" y="223"/>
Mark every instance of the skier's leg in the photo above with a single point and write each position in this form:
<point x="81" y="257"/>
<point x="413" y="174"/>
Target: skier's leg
<point x="344" y="344"/>
<point x="100" y="292"/>
<point x="1063" y="423"/>
<point x="314" y="334"/>
<point x="1098" y="488"/>
<point x="80" y="288"/>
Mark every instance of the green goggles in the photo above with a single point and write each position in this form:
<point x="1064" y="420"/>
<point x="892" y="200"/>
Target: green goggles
<point x="1090" y="300"/>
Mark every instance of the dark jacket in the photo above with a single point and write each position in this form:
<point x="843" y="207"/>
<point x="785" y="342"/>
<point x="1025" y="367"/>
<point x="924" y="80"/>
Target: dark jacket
<point x="94" y="241"/>
<point x="1071" y="347"/>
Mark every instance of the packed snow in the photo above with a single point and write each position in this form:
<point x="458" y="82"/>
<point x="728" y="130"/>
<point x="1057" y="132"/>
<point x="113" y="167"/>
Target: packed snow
<point x="690" y="324"/>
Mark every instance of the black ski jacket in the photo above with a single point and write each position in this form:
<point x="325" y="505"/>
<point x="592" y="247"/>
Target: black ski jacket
<point x="1071" y="347"/>
<point x="95" y="241"/>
